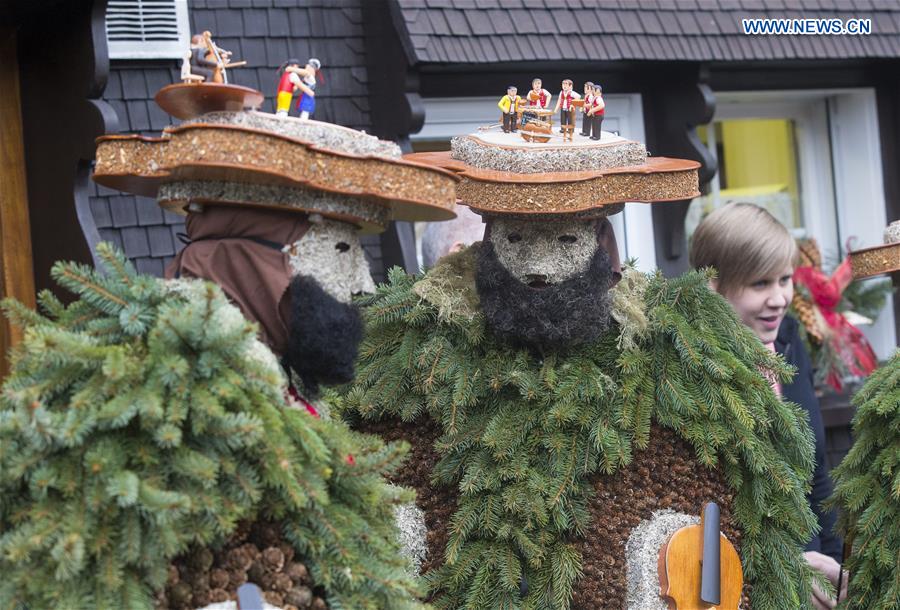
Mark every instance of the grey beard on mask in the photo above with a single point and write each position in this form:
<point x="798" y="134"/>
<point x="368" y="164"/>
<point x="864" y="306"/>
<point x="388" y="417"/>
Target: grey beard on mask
<point x="555" y="317"/>
<point x="324" y="337"/>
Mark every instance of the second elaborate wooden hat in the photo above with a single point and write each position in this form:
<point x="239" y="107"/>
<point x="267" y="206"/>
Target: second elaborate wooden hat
<point x="501" y="175"/>
<point x="876" y="260"/>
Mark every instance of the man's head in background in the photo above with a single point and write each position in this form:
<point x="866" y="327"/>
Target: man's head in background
<point x="442" y="238"/>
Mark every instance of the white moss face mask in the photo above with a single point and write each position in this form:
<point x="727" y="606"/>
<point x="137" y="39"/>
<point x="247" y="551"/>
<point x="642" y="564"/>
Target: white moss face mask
<point x="538" y="253"/>
<point x="331" y="253"/>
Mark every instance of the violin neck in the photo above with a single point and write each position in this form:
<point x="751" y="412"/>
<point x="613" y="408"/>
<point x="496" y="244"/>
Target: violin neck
<point x="710" y="576"/>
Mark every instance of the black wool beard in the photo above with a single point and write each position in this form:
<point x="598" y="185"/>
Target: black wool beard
<point x="560" y="315"/>
<point x="324" y="337"/>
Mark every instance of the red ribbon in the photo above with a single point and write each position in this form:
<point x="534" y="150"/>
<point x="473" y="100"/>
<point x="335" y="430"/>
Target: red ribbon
<point x="847" y="341"/>
<point x="296" y="396"/>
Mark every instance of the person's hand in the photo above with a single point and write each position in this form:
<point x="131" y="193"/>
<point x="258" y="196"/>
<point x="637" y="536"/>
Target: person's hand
<point x="831" y="569"/>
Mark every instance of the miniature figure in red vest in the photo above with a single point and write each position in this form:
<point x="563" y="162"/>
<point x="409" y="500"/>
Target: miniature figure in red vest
<point x="509" y="107"/>
<point x="537" y="99"/>
<point x="565" y="104"/>
<point x="294" y="78"/>
<point x="596" y="112"/>
<point x="588" y="103"/>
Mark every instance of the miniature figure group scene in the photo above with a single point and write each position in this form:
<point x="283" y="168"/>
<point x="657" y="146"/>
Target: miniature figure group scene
<point x="534" y="110"/>
<point x="206" y="62"/>
<point x="528" y="423"/>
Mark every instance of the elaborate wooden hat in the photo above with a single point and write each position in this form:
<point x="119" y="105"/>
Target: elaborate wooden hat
<point x="500" y="174"/>
<point x="239" y="157"/>
<point x="869" y="262"/>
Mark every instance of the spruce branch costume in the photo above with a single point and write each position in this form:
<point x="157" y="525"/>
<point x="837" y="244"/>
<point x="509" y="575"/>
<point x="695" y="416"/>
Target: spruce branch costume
<point x="867" y="481"/>
<point x="867" y="490"/>
<point x="146" y="417"/>
<point x="557" y="416"/>
<point x="154" y="451"/>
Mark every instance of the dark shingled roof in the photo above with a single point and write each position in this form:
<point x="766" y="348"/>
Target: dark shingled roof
<point x="457" y="31"/>
<point x="264" y="33"/>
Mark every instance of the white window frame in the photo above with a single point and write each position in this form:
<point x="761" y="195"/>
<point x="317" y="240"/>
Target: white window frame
<point x="152" y="49"/>
<point x="448" y="117"/>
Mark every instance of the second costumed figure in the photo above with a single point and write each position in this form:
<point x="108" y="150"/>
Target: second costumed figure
<point x="567" y="415"/>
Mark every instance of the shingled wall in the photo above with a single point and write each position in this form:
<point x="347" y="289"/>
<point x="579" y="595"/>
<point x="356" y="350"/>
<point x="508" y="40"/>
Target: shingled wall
<point x="263" y="33"/>
<point x="480" y="31"/>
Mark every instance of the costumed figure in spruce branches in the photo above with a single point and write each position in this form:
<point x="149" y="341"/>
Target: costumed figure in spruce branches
<point x="867" y="481"/>
<point x="159" y="448"/>
<point x="567" y="415"/>
<point x="867" y="494"/>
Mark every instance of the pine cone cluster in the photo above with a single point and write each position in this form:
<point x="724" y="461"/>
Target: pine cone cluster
<point x="805" y="312"/>
<point x="255" y="553"/>
<point x="809" y="253"/>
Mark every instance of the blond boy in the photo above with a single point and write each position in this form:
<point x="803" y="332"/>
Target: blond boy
<point x="754" y="256"/>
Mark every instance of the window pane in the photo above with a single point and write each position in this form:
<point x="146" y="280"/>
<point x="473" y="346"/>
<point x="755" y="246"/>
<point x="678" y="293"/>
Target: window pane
<point x="757" y="164"/>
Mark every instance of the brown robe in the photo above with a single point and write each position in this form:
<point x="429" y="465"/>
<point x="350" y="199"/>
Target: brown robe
<point x="240" y="249"/>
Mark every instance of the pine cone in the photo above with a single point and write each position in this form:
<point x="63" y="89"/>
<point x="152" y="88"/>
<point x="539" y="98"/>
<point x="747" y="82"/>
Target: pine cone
<point x="299" y="596"/>
<point x="238" y="559"/>
<point x="274" y="598"/>
<point x="319" y="604"/>
<point x="298" y="572"/>
<point x="806" y="314"/>
<point x="256" y="572"/>
<point x="236" y="579"/>
<point x="251" y="549"/>
<point x="201" y="560"/>
<point x="273" y="559"/>
<point x="282" y="583"/>
<point x="201" y="599"/>
<point x="199" y="581"/>
<point x="810" y="255"/>
<point x="218" y="578"/>
<point x="180" y="594"/>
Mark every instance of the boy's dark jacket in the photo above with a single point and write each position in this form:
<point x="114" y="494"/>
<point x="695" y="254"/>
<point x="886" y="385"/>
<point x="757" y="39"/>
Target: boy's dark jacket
<point x="801" y="391"/>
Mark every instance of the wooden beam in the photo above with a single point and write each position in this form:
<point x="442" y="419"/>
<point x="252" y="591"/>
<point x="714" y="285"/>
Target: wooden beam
<point x="17" y="278"/>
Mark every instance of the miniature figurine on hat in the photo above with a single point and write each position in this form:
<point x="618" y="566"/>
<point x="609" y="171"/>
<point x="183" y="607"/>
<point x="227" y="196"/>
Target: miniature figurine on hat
<point x="289" y="82"/>
<point x="509" y="106"/>
<point x="588" y="102"/>
<point x="536" y="100"/>
<point x="307" y="102"/>
<point x="596" y="112"/>
<point x="565" y="105"/>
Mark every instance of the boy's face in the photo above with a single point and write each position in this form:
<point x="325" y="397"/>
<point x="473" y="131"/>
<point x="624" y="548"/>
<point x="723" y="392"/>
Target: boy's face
<point x="511" y="92"/>
<point x="762" y="304"/>
<point x="588" y="91"/>
<point x="536" y="85"/>
<point x="566" y="86"/>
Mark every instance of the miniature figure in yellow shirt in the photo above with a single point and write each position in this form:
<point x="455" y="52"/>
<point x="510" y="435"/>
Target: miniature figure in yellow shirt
<point x="509" y="106"/>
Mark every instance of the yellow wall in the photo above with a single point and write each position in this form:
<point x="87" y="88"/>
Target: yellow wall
<point x="758" y="156"/>
<point x="760" y="152"/>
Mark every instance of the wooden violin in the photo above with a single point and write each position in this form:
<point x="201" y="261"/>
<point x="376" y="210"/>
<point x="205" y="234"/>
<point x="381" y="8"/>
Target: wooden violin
<point x="699" y="568"/>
